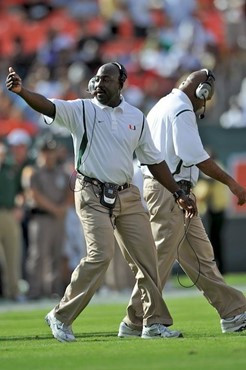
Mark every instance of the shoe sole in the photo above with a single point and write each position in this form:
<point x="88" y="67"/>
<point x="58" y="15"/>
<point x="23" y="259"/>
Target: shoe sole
<point x="129" y="335"/>
<point x="236" y="329"/>
<point x="160" y="337"/>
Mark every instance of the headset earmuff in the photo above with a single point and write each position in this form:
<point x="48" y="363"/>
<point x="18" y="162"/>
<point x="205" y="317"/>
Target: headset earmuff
<point x="123" y="73"/>
<point x="205" y="89"/>
<point x="91" y="85"/>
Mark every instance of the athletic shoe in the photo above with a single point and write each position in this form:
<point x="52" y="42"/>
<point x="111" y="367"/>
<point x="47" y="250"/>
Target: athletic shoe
<point x="60" y="331"/>
<point x="126" y="331"/>
<point x="234" y="324"/>
<point x="158" y="331"/>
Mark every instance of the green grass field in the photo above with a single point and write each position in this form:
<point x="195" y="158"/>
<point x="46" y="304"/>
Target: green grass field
<point x="26" y="341"/>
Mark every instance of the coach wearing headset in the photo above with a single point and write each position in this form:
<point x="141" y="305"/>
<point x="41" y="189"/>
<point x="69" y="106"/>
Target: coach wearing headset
<point x="106" y="131"/>
<point x="174" y="130"/>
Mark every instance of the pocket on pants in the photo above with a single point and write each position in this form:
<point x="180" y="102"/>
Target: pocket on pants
<point x="89" y="196"/>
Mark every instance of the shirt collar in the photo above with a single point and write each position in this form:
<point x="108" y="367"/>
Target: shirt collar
<point x="183" y="96"/>
<point x="120" y="107"/>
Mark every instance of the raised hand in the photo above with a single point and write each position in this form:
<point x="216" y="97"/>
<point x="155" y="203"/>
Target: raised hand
<point x="13" y="81"/>
<point x="36" y="101"/>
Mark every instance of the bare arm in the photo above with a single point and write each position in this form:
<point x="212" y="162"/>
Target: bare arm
<point x="36" y="101"/>
<point x="211" y="169"/>
<point x="162" y="174"/>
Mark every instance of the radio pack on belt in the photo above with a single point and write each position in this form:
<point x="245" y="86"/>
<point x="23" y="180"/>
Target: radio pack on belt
<point x="109" y="194"/>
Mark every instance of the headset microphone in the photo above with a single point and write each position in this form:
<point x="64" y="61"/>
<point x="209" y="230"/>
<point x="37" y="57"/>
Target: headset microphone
<point x="202" y="115"/>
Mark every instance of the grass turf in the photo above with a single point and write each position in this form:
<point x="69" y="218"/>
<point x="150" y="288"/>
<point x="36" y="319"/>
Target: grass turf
<point x="26" y="341"/>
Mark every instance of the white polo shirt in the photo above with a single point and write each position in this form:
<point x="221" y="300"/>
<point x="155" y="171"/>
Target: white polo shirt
<point x="174" y="130"/>
<point x="113" y="134"/>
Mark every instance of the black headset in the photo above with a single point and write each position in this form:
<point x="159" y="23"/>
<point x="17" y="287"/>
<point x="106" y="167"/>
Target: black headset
<point x="123" y="73"/>
<point x="205" y="89"/>
<point x="122" y="78"/>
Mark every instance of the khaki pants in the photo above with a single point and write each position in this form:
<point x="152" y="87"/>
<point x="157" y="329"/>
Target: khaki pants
<point x="186" y="240"/>
<point x="10" y="253"/>
<point x="119" y="276"/>
<point x="133" y="234"/>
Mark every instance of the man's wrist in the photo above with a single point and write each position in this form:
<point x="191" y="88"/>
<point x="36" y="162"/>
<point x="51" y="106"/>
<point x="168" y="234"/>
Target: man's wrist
<point x="178" y="194"/>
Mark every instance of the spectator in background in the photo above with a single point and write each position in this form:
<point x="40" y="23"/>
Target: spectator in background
<point x="49" y="195"/>
<point x="10" y="230"/>
<point x="19" y="142"/>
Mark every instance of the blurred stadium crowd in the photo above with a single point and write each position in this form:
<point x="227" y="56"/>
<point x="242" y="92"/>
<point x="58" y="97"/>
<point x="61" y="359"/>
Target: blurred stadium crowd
<point x="56" y="46"/>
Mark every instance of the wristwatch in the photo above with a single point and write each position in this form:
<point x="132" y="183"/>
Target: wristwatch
<point x="178" y="194"/>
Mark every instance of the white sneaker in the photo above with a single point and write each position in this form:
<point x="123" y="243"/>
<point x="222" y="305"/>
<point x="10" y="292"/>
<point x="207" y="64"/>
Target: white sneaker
<point x="234" y="324"/>
<point x="126" y="331"/>
<point x="157" y="331"/>
<point x="60" y="331"/>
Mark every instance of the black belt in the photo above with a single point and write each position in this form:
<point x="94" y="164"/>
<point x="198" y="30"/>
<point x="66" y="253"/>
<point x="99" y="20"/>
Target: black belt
<point x="100" y="183"/>
<point x="37" y="211"/>
<point x="185" y="185"/>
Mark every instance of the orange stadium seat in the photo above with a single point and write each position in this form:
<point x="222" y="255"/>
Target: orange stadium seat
<point x="7" y="125"/>
<point x="120" y="47"/>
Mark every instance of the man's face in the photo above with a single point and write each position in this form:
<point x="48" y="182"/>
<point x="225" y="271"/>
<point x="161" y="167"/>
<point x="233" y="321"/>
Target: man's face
<point x="19" y="152"/>
<point x="107" y="86"/>
<point x="48" y="158"/>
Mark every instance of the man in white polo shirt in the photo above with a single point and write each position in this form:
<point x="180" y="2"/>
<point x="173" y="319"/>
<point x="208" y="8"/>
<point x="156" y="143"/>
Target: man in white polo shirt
<point x="174" y="130"/>
<point x="106" y="131"/>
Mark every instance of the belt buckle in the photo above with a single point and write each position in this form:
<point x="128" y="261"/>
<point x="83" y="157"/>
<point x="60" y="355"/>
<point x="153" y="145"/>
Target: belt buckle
<point x="123" y="187"/>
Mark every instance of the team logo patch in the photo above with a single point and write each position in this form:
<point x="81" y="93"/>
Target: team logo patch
<point x="132" y="127"/>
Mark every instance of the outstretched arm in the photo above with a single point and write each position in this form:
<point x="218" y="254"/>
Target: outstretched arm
<point x="211" y="169"/>
<point x="36" y="101"/>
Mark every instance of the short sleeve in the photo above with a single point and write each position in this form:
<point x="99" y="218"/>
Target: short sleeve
<point x="146" y="152"/>
<point x="187" y="142"/>
<point x="68" y="114"/>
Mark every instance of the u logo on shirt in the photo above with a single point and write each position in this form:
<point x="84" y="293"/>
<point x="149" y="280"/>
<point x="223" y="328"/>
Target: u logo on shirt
<point x="132" y="127"/>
